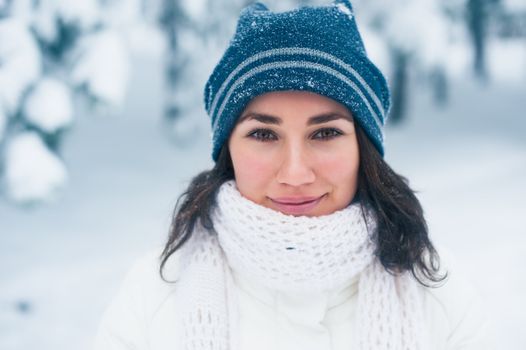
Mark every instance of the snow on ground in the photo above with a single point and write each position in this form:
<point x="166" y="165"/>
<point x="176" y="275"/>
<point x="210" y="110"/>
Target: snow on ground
<point x="61" y="263"/>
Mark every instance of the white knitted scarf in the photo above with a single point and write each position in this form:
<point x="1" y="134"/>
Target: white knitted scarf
<point x="289" y="253"/>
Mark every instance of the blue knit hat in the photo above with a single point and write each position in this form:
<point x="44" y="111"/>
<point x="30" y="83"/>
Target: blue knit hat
<point x="312" y="48"/>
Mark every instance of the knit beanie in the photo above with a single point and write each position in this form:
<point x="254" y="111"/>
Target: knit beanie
<point x="311" y="48"/>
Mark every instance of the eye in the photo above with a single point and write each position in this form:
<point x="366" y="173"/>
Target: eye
<point x="326" y="134"/>
<point x="263" y="135"/>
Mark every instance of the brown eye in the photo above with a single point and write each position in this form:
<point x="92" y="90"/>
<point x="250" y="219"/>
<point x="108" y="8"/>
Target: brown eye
<point x="326" y="134"/>
<point x="263" y="135"/>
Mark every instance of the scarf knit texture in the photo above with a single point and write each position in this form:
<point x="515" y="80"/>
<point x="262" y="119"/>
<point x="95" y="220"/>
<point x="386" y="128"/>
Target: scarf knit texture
<point x="291" y="254"/>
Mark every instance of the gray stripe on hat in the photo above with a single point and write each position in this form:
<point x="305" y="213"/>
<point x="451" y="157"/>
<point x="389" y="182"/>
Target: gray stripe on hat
<point x="297" y="51"/>
<point x="297" y="64"/>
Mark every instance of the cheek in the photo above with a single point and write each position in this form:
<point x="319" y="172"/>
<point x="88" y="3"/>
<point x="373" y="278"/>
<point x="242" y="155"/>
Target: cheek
<point x="253" y="173"/>
<point x="340" y="170"/>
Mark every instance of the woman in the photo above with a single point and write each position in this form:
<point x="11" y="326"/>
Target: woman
<point x="301" y="236"/>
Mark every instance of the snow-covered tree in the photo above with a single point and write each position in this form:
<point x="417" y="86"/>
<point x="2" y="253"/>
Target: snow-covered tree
<point x="478" y="16"/>
<point x="441" y="40"/>
<point x="51" y="53"/>
<point x="195" y="32"/>
<point x="33" y="172"/>
<point x="413" y="37"/>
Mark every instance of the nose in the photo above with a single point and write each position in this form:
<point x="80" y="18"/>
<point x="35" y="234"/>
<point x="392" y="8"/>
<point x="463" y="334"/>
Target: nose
<point x="296" y="168"/>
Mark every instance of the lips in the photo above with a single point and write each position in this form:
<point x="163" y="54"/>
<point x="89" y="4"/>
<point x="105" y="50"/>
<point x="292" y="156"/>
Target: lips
<point x="296" y="205"/>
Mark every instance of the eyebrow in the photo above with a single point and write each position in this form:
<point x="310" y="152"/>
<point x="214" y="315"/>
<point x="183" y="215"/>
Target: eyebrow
<point x="317" y="119"/>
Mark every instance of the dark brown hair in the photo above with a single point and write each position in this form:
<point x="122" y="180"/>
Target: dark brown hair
<point x="402" y="241"/>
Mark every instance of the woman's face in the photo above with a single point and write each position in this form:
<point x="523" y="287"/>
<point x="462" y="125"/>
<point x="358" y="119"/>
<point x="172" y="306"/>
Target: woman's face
<point x="296" y="152"/>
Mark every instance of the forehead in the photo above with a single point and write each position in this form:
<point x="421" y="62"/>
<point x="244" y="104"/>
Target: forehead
<point x="293" y="104"/>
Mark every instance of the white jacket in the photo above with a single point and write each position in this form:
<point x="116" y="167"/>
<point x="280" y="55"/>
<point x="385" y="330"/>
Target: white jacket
<point x="143" y="315"/>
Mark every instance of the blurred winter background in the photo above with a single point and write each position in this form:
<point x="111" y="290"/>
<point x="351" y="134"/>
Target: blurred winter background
<point x="102" y="126"/>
